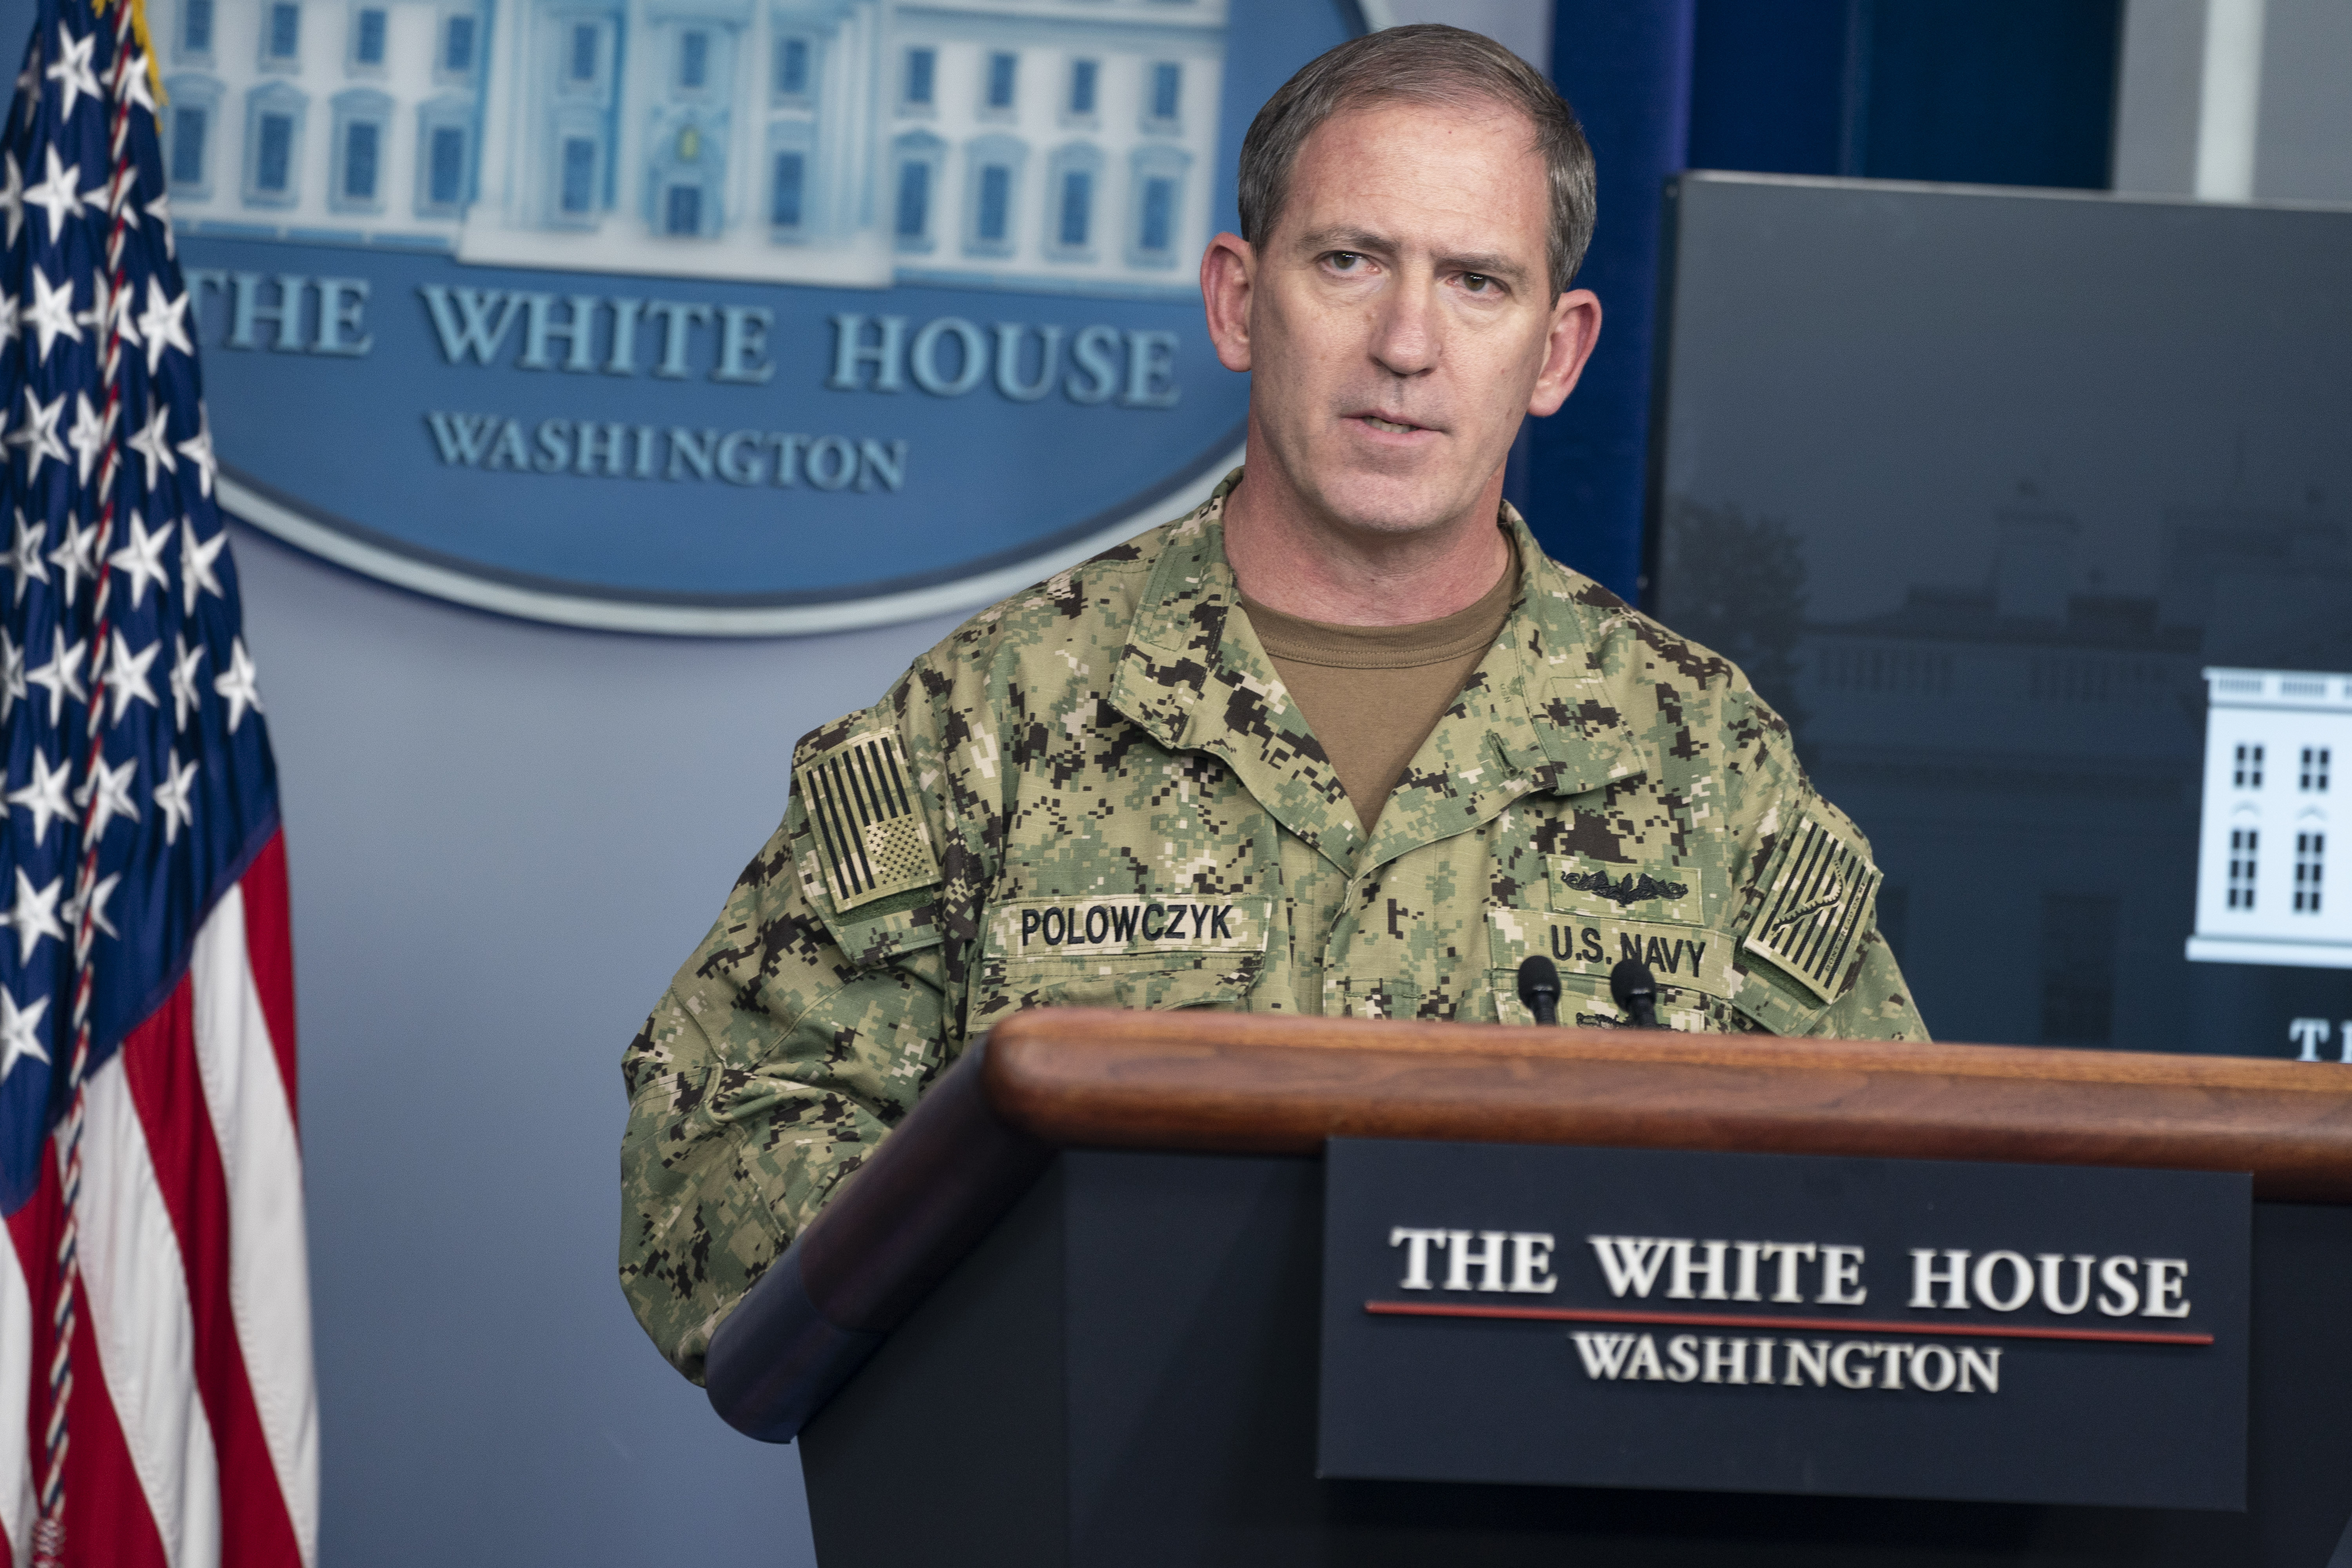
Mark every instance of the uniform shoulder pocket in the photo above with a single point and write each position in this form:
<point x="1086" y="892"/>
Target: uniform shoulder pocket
<point x="869" y="859"/>
<point x="1820" y="891"/>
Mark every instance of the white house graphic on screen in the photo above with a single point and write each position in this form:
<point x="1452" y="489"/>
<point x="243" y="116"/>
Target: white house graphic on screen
<point x="1026" y="143"/>
<point x="2273" y="742"/>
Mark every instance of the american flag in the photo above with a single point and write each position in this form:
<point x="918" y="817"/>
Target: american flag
<point x="156" y="1402"/>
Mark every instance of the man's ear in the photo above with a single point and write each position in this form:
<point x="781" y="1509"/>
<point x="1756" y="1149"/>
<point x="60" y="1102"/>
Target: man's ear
<point x="1228" y="273"/>
<point x="1575" y="328"/>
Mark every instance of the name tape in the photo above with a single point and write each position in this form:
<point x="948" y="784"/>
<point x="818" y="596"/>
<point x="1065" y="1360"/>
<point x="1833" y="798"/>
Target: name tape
<point x="1032" y="929"/>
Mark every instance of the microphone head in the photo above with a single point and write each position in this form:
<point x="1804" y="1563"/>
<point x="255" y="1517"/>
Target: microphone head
<point x="1629" y="982"/>
<point x="1538" y="977"/>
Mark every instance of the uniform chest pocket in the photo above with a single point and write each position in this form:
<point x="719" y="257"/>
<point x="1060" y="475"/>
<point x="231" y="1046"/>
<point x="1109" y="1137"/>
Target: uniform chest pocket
<point x="1132" y="949"/>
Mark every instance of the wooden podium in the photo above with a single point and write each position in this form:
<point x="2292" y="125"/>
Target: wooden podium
<point x="1067" y="1314"/>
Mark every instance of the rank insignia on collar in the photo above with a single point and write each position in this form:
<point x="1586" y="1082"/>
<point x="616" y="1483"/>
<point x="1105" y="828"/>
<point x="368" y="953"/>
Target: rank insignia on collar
<point x="870" y="835"/>
<point x="1817" y="902"/>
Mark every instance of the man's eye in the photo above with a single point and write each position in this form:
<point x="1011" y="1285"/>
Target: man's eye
<point x="1345" y="261"/>
<point x="1477" y="283"/>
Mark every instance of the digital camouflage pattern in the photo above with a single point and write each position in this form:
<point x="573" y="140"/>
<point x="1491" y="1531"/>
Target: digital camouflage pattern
<point x="1098" y="793"/>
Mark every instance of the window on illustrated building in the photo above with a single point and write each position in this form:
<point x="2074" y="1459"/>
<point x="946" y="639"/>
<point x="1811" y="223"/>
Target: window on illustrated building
<point x="2310" y="849"/>
<point x="1167" y="88"/>
<point x="281" y="34"/>
<point x="2243" y="844"/>
<point x="914" y="198"/>
<point x="785" y="189"/>
<point x="1084" y="77"/>
<point x="457" y="47"/>
<point x="273" y="162"/>
<point x="367" y="40"/>
<point x="361" y="139"/>
<point x="792" y="67"/>
<point x="693" y="59"/>
<point x="583" y="53"/>
<point x="188" y="127"/>
<point x="579" y="174"/>
<point x="920" y="65"/>
<point x="2314" y="769"/>
<point x="2248" y="774"/>
<point x="445" y="161"/>
<point x="197" y="27"/>
<point x="1001" y="67"/>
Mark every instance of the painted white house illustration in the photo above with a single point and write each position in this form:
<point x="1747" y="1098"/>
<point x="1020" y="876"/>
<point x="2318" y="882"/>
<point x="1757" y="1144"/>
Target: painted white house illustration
<point x="2274" y="739"/>
<point x="1024" y="144"/>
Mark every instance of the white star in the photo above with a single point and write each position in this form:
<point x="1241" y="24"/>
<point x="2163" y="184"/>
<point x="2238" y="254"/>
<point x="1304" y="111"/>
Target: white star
<point x="134" y="81"/>
<point x="71" y="911"/>
<point x="160" y="209"/>
<point x="141" y="561"/>
<point x="20" y="1031"/>
<point x="77" y="554"/>
<point x="13" y="690"/>
<point x="237" y="685"/>
<point x="12" y="197"/>
<point x="151" y="443"/>
<point x="199" y="448"/>
<point x="112" y="787"/>
<point x="73" y="71"/>
<point x="184" y="695"/>
<point x="52" y="315"/>
<point x="88" y="437"/>
<point x="126" y="675"/>
<point x="196" y="557"/>
<point x="165" y="324"/>
<point x="36" y="914"/>
<point x="12" y="313"/>
<point x="25" y="556"/>
<point x="172" y="797"/>
<point x="44" y="794"/>
<point x="62" y="674"/>
<point x="60" y="195"/>
<point x="38" y="434"/>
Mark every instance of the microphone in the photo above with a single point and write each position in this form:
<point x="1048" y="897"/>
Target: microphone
<point x="1539" y="988"/>
<point x="1634" y="989"/>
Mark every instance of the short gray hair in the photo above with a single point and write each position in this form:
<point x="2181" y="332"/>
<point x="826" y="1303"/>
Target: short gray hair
<point x="1431" y="63"/>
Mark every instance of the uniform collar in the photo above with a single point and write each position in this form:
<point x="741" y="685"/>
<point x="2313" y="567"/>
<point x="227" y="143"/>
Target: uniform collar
<point x="1534" y="718"/>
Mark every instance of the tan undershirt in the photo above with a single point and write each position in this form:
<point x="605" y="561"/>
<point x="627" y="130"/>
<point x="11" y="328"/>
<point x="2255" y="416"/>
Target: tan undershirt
<point x="1373" y="694"/>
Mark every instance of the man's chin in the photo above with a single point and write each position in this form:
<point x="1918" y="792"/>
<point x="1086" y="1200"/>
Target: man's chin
<point x="1394" y="504"/>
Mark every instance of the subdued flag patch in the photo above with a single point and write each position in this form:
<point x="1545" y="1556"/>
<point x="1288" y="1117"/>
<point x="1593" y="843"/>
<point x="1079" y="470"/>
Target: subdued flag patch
<point x="1817" y="900"/>
<point x="870" y="836"/>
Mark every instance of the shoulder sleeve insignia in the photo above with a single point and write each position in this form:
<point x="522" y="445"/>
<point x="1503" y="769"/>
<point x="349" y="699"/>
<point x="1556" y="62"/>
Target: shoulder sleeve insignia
<point x="871" y="838"/>
<point x="1817" y="900"/>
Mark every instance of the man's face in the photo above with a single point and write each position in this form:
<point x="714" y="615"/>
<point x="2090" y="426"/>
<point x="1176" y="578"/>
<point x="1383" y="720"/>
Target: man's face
<point x="1400" y="317"/>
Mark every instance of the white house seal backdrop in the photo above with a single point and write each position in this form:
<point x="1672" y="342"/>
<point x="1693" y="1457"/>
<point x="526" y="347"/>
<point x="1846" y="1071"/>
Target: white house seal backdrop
<point x="713" y="316"/>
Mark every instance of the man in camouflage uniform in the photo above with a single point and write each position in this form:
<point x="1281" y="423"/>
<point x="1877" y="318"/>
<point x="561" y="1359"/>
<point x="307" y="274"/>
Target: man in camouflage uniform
<point x="1102" y="793"/>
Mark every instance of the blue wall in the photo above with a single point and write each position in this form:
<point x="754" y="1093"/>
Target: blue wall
<point x="503" y="841"/>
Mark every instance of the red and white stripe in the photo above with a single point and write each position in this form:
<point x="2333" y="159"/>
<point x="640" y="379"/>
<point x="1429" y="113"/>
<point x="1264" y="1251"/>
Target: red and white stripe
<point x="194" y="1415"/>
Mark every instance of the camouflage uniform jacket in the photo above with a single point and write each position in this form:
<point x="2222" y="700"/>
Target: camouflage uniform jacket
<point x="1098" y="793"/>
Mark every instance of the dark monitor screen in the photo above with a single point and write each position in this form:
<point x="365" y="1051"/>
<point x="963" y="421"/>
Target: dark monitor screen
<point x="2033" y="514"/>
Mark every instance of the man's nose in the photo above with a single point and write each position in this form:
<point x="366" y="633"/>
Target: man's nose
<point x="1405" y="327"/>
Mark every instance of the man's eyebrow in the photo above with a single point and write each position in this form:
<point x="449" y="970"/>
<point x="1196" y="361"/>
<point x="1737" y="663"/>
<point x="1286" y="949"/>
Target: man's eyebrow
<point x="1486" y="263"/>
<point x="1337" y="238"/>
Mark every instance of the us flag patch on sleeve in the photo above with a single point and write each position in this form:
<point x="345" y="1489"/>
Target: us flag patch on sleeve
<point x="871" y="838"/>
<point x="1817" y="900"/>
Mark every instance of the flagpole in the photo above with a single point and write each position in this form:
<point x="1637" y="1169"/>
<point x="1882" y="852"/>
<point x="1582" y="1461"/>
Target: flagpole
<point x="48" y="1546"/>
